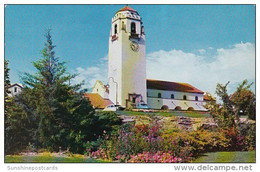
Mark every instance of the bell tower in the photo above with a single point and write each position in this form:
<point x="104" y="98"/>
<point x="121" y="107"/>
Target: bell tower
<point x="126" y="59"/>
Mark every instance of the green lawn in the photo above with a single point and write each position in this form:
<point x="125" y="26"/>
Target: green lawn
<point x="215" y="157"/>
<point x="48" y="158"/>
<point x="231" y="157"/>
<point x="166" y="114"/>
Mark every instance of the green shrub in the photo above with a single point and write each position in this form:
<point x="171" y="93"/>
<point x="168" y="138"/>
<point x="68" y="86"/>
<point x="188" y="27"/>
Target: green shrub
<point x="107" y="121"/>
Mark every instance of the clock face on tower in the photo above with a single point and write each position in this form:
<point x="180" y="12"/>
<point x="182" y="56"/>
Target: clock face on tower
<point x="134" y="46"/>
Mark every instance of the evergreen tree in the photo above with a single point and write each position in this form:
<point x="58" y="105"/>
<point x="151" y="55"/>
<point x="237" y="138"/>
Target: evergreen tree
<point x="6" y="87"/>
<point x="50" y="113"/>
<point x="17" y="128"/>
<point x="16" y="120"/>
<point x="64" y="114"/>
<point x="6" y="79"/>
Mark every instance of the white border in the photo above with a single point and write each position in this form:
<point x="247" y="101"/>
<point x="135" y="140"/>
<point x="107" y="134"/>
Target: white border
<point x="117" y="167"/>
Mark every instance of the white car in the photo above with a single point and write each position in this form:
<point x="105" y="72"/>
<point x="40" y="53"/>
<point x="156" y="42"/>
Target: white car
<point x="112" y="107"/>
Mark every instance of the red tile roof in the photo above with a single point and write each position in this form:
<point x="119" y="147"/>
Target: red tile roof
<point x="208" y="98"/>
<point x="172" y="86"/>
<point x="127" y="8"/>
<point x="97" y="101"/>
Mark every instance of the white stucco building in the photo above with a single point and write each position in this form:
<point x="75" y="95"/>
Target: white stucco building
<point x="15" y="89"/>
<point x="127" y="83"/>
<point x="101" y="89"/>
<point x="174" y="95"/>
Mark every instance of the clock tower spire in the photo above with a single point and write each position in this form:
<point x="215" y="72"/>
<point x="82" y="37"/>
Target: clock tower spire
<point x="126" y="59"/>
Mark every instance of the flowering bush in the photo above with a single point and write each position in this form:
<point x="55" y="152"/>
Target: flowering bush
<point x="133" y="141"/>
<point x="241" y="139"/>
<point x="250" y="137"/>
<point x="157" y="157"/>
<point x="100" y="153"/>
<point x="151" y="143"/>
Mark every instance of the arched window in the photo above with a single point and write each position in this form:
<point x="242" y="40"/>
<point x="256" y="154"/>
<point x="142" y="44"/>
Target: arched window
<point x="184" y="97"/>
<point x="164" y="107"/>
<point x="133" y="29"/>
<point x="172" y="96"/>
<point x="159" y="95"/>
<point x="190" y="109"/>
<point x="196" y="98"/>
<point x="177" y="108"/>
<point x="115" y="28"/>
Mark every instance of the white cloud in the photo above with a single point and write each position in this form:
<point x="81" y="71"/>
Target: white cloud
<point x="91" y="74"/>
<point x="234" y="64"/>
<point x="210" y="48"/>
<point x="202" y="51"/>
<point x="231" y="64"/>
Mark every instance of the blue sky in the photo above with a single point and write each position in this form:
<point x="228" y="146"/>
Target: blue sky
<point x="186" y="35"/>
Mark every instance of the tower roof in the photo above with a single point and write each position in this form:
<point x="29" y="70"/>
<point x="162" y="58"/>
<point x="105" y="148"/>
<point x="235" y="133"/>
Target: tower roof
<point x="126" y="8"/>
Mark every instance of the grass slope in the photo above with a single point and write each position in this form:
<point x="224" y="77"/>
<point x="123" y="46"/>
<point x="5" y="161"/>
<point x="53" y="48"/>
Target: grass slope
<point x="231" y="157"/>
<point x="166" y="114"/>
<point x="49" y="158"/>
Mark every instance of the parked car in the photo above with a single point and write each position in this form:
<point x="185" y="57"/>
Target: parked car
<point x="142" y="106"/>
<point x="113" y="108"/>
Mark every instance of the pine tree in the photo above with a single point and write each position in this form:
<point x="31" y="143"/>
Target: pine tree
<point x="64" y="114"/>
<point x="6" y="86"/>
<point x="16" y="121"/>
<point x="6" y="97"/>
<point x="50" y="113"/>
<point x="7" y="81"/>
